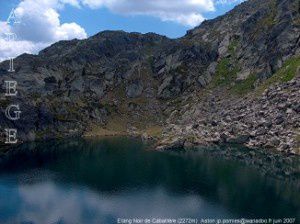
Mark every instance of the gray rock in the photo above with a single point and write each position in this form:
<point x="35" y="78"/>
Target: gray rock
<point x="242" y="139"/>
<point x="134" y="89"/>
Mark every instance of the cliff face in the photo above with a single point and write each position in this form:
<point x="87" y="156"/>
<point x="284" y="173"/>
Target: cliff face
<point x="129" y="82"/>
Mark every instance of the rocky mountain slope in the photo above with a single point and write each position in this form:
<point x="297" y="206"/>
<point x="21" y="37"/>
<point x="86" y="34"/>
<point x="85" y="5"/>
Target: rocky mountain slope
<point x="130" y="83"/>
<point x="270" y="120"/>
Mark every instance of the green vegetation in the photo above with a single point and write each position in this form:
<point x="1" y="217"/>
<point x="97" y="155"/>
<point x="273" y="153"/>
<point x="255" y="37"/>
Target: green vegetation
<point x="244" y="86"/>
<point x="232" y="47"/>
<point x="154" y="131"/>
<point x="270" y="19"/>
<point x="285" y="74"/>
<point x="225" y="73"/>
<point x="110" y="108"/>
<point x="298" y="143"/>
<point x="267" y="22"/>
<point x="288" y="71"/>
<point x="298" y="139"/>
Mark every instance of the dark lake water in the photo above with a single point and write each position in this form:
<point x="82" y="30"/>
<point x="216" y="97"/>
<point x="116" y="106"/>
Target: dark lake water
<point x="98" y="181"/>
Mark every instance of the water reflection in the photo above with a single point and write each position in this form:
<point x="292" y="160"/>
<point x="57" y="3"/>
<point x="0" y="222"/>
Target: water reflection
<point x="98" y="181"/>
<point x="49" y="203"/>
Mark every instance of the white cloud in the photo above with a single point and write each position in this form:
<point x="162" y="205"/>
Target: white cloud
<point x="40" y="26"/>
<point x="228" y="2"/>
<point x="185" y="12"/>
<point x="191" y="20"/>
<point x="15" y="48"/>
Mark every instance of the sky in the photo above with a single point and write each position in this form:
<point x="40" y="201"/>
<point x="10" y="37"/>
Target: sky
<point x="44" y="22"/>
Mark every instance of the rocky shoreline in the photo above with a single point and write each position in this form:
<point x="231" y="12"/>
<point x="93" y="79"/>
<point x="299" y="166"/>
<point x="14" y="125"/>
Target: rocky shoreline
<point x="270" y="163"/>
<point x="270" y="121"/>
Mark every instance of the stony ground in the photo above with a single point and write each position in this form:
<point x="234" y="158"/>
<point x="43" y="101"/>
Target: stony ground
<point x="269" y="120"/>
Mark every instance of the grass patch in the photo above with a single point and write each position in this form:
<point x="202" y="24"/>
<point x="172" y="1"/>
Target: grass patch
<point x="245" y="86"/>
<point x="267" y="22"/>
<point x="110" y="108"/>
<point x="154" y="131"/>
<point x="270" y="19"/>
<point x="117" y="124"/>
<point x="285" y="74"/>
<point x="297" y="144"/>
<point x="225" y="73"/>
<point x="102" y="132"/>
<point x="233" y="46"/>
<point x="298" y="139"/>
<point x="288" y="71"/>
<point x="139" y="101"/>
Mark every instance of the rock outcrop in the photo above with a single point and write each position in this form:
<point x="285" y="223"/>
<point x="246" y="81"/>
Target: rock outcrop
<point x="270" y="121"/>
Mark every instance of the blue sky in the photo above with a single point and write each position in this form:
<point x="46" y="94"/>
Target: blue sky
<point x="102" y="19"/>
<point x="47" y="21"/>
